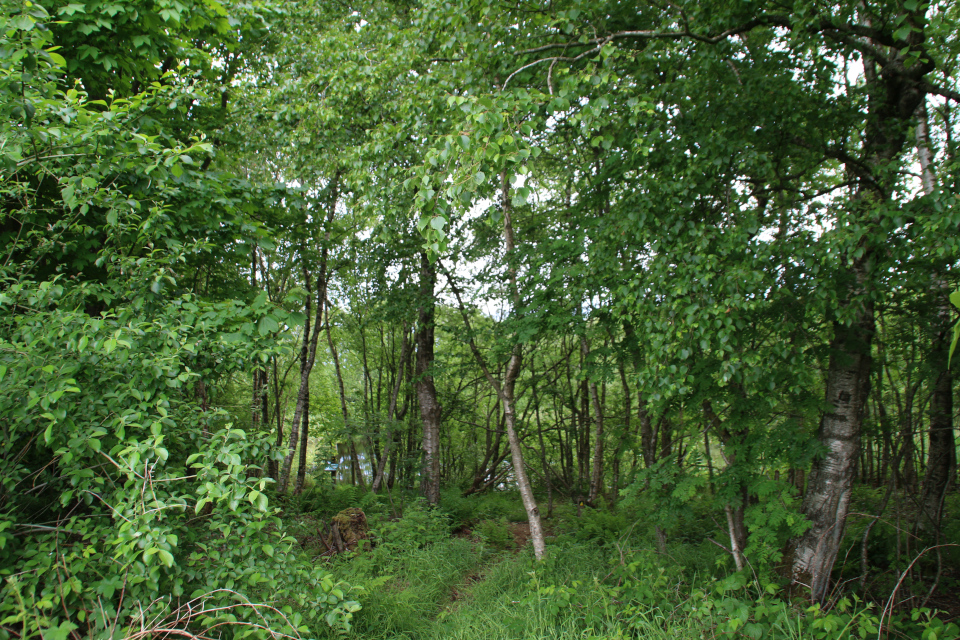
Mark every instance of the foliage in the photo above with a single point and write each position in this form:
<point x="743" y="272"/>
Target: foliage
<point x="495" y="533"/>
<point x="123" y="495"/>
<point x="420" y="526"/>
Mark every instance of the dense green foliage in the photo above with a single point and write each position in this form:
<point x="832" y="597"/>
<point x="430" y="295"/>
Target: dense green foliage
<point x="679" y="273"/>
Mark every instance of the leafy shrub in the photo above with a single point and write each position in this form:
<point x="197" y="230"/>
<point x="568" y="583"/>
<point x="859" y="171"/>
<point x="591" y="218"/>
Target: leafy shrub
<point x="122" y="499"/>
<point x="421" y="525"/>
<point x="496" y="504"/>
<point x="495" y="533"/>
<point x="600" y="525"/>
<point x="461" y="509"/>
<point x="325" y="501"/>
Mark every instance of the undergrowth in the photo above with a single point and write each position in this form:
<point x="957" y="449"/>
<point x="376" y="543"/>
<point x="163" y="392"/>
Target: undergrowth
<point x="601" y="578"/>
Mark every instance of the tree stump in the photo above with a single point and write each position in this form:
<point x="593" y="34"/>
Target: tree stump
<point x="346" y="531"/>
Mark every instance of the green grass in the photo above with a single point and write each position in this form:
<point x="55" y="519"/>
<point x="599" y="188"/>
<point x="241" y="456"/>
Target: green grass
<point x="601" y="579"/>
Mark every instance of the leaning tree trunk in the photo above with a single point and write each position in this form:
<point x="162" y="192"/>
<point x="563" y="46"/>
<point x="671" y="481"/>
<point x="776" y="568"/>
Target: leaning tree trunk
<point x="426" y="390"/>
<point x="505" y="392"/>
<point x="831" y="478"/>
<point x="735" y="511"/>
<point x="509" y="384"/>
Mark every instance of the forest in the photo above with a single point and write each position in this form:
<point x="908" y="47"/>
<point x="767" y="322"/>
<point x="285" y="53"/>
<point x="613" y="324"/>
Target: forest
<point x="479" y="319"/>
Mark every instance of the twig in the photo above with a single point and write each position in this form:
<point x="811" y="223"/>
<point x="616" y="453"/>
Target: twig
<point x="903" y="576"/>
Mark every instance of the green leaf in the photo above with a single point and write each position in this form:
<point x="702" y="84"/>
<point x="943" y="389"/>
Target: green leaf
<point x="955" y="299"/>
<point x="267" y="325"/>
<point x="953" y="343"/>
<point x="296" y="318"/>
<point x="165" y="557"/>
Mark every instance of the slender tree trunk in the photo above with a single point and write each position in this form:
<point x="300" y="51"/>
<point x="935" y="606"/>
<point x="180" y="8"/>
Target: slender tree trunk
<point x="625" y="434"/>
<point x="255" y="414"/>
<point x="273" y="469"/>
<point x="392" y="412"/>
<point x="597" y="470"/>
<point x="647" y="440"/>
<point x="308" y="352"/>
<point x="505" y="392"/>
<point x="356" y="471"/>
<point x="426" y="391"/>
<point x="735" y="511"/>
<point x="304" y="436"/>
<point x="666" y="438"/>
<point x="314" y="336"/>
<point x="543" y="452"/>
<point x="942" y="452"/>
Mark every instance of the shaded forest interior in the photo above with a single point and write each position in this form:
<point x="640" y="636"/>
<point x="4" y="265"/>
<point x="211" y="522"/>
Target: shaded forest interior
<point x="479" y="319"/>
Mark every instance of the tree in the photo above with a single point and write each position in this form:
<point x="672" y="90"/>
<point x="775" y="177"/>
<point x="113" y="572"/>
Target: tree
<point x="809" y="180"/>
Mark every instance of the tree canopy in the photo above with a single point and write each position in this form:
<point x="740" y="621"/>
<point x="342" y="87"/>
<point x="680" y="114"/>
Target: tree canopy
<point x="685" y="257"/>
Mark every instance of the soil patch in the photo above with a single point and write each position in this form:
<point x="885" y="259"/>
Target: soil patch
<point x="521" y="533"/>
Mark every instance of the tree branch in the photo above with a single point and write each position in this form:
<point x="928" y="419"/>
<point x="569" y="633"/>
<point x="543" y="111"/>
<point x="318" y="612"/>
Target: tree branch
<point x="950" y="94"/>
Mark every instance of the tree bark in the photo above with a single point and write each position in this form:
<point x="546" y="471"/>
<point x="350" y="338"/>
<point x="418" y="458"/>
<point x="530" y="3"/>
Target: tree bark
<point x="831" y="477"/>
<point x="734" y="511"/>
<point x="304" y="436"/>
<point x="426" y="391"/>
<point x="895" y="90"/>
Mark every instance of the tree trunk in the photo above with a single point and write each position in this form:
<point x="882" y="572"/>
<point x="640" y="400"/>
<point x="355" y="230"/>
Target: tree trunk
<point x="505" y="392"/>
<point x="941" y="459"/>
<point x="392" y="412"/>
<point x="426" y="391"/>
<point x="624" y="435"/>
<point x="543" y="451"/>
<point x="831" y="477"/>
<point x="356" y="471"/>
<point x="597" y="470"/>
<point x="942" y="452"/>
<point x="734" y="511"/>
<point x="311" y="349"/>
<point x="647" y="440"/>
<point x="894" y="92"/>
<point x="273" y="469"/>
<point x="304" y="436"/>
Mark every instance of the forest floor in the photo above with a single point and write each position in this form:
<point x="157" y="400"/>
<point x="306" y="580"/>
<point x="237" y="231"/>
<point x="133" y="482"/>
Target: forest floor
<point x="466" y="571"/>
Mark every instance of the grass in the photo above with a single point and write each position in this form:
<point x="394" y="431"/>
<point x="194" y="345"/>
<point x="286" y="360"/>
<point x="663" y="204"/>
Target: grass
<point x="601" y="579"/>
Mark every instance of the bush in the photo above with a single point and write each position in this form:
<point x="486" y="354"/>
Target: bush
<point x="495" y="533"/>
<point x="325" y="501"/>
<point x="462" y="510"/>
<point x="421" y="525"/>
